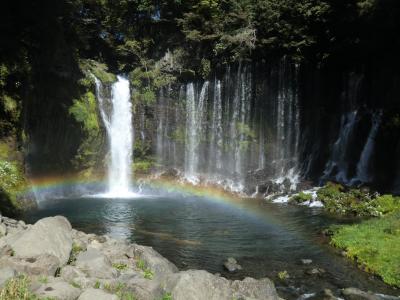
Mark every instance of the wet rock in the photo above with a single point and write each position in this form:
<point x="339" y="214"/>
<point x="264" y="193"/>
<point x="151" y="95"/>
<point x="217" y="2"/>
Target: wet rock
<point x="96" y="294"/>
<point x="58" y="290"/>
<point x="170" y="174"/>
<point x="356" y="294"/>
<point x="306" y="261"/>
<point x="44" y="264"/>
<point x="50" y="236"/>
<point x="158" y="264"/>
<point x="6" y="273"/>
<point x="326" y="294"/>
<point x="232" y="265"/>
<point x="95" y="264"/>
<point x="315" y="271"/>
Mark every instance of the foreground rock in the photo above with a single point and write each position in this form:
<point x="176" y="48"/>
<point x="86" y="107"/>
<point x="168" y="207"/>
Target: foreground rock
<point x="63" y="263"/>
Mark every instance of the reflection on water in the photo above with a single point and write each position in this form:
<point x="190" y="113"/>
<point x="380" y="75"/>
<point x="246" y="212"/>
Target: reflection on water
<point x="199" y="232"/>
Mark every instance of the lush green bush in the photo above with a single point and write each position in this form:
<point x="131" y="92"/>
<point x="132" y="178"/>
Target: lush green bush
<point x="355" y="201"/>
<point x="374" y="244"/>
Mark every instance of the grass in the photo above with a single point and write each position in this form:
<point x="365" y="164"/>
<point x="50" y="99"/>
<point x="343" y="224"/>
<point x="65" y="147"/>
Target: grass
<point x="43" y="279"/>
<point x="120" y="267"/>
<point x="18" y="289"/>
<point x="167" y="296"/>
<point x="148" y="274"/>
<point x="74" y="253"/>
<point x="374" y="244"/>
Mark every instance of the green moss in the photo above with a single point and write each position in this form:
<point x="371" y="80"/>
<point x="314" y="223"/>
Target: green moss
<point x="4" y="150"/>
<point x="167" y="296"/>
<point x="301" y="198"/>
<point x="148" y="274"/>
<point x="374" y="244"/>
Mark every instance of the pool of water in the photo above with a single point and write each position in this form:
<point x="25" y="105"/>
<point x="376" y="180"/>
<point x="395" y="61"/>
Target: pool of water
<point x="201" y="232"/>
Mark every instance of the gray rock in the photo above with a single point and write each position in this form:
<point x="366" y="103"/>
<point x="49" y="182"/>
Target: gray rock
<point x="48" y="236"/>
<point x="356" y="294"/>
<point x="201" y="285"/>
<point x="252" y="288"/>
<point x="306" y="261"/>
<point x="3" y="230"/>
<point x="159" y="265"/>
<point x="145" y="289"/>
<point x="40" y="265"/>
<point x="6" y="273"/>
<point x="58" y="290"/>
<point x="95" y="264"/>
<point x="70" y="273"/>
<point x="96" y="294"/>
<point x="232" y="265"/>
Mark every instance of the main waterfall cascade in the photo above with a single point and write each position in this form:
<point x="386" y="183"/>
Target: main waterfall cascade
<point x="119" y="127"/>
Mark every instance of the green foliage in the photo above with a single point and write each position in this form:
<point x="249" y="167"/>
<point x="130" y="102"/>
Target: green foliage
<point x="97" y="69"/>
<point x="148" y="274"/>
<point x="84" y="111"/>
<point x="179" y="135"/>
<point x="143" y="166"/>
<point x="301" y="197"/>
<point x="356" y="202"/>
<point x="374" y="244"/>
<point x="12" y="182"/>
<point x="387" y="204"/>
<point x="167" y="296"/>
<point x="283" y="275"/>
<point x="76" y="285"/>
<point x="74" y="253"/>
<point x="97" y="285"/>
<point x="17" y="289"/>
<point x="120" y="267"/>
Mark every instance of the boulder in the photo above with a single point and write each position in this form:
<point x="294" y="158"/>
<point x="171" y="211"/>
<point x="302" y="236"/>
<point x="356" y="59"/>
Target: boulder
<point x="158" y="264"/>
<point x="6" y="273"/>
<point x="95" y="264"/>
<point x="254" y="289"/>
<point x="3" y="230"/>
<point x="58" y="290"/>
<point x="356" y="294"/>
<point x="232" y="265"/>
<point x="201" y="285"/>
<point x="44" y="264"/>
<point x="96" y="294"/>
<point x="145" y="289"/>
<point x="50" y="236"/>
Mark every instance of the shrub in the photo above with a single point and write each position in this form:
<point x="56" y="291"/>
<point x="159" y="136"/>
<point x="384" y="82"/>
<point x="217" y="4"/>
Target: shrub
<point x="301" y="197"/>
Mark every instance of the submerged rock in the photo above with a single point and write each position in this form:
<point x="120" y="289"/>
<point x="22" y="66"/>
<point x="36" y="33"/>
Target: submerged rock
<point x="232" y="265"/>
<point x="356" y="294"/>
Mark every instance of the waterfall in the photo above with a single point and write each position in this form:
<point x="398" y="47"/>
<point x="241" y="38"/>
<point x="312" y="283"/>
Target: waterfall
<point x="215" y="149"/>
<point x="120" y="134"/>
<point x="337" y="165"/>
<point x="363" y="165"/>
<point x="194" y="110"/>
